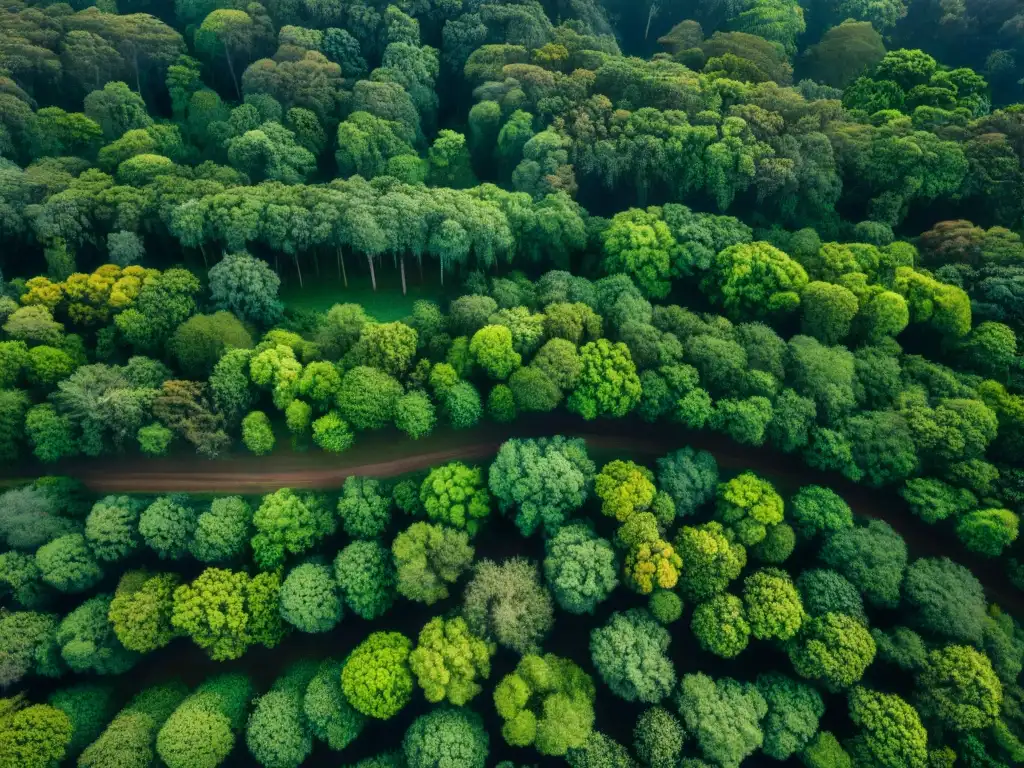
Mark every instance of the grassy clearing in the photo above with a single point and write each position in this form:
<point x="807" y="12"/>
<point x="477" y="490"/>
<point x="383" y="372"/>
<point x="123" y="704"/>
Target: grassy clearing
<point x="386" y="304"/>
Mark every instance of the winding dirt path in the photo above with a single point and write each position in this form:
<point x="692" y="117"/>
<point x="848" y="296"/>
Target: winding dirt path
<point x="389" y="455"/>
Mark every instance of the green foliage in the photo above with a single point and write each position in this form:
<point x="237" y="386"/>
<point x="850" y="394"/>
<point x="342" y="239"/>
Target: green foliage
<point x="130" y="737"/>
<point x="365" y="513"/>
<point x="278" y="734"/>
<point x="608" y="384"/>
<point x="747" y="505"/>
<point x="873" y="558"/>
<point x="287" y="523"/>
<point x="225" y="612"/>
<point x="835" y="649"/>
<point x="140" y="612"/>
<point x="658" y="738"/>
<point x="816" y="510"/>
<point x="665" y="606"/>
<point x="547" y="702"/>
<point x="455" y="495"/>
<point x="222" y="531"/>
<point x="376" y="678"/>
<point x="794" y="710"/>
<point x="112" y="527"/>
<point x="773" y="605"/>
<point x="67" y="564"/>
<point x="201" y="732"/>
<point x="446" y="737"/>
<point x="711" y="560"/>
<point x="945" y="599"/>
<point x="89" y="707"/>
<point x="543" y="480"/>
<point x="629" y="654"/>
<point x="825" y="751"/>
<point x="366" y="578"/>
<point x="200" y="341"/>
<point x="492" y="350"/>
<point x="624" y="488"/>
<point x="891" y="731"/>
<point x="720" y="626"/>
<point x="988" y="531"/>
<point x="309" y="598"/>
<point x="32" y="736"/>
<point x="824" y="591"/>
<point x="257" y="434"/>
<point x="167" y="526"/>
<point x="580" y="567"/>
<point x="427" y="559"/>
<point x="331" y="718"/>
<point x="88" y="643"/>
<point x="959" y="689"/>
<point x="723" y="716"/>
<point x="506" y="603"/>
<point x="448" y="659"/>
<point x="332" y="433"/>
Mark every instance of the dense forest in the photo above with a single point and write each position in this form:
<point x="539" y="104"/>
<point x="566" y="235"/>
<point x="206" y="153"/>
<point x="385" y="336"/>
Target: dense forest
<point x="240" y="229"/>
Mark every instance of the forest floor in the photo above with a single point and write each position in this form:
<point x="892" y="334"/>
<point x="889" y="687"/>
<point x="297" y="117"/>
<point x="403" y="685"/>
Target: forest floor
<point x="390" y="454"/>
<point x="387" y="304"/>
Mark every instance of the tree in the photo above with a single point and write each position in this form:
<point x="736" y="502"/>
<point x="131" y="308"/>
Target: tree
<point x="755" y="279"/>
<point x="689" y="477"/>
<point x="505" y="603"/>
<point x="720" y="626"/>
<point x="278" y="734"/>
<point x="988" y="531"/>
<point x="748" y="505"/>
<point x="624" y="488"/>
<point x="112" y="528"/>
<point x="817" y="510"/>
<point x="376" y="678"/>
<point x="415" y="414"/>
<point x="331" y="718"/>
<point x="650" y="561"/>
<point x="67" y="564"/>
<point x="543" y="480"/>
<point x="773" y="604"/>
<point x="580" y="568"/>
<point x="629" y="654"/>
<point x="723" y="716"/>
<point x="89" y="707"/>
<point x="115" y="109"/>
<point x="230" y="33"/>
<point x="959" y="689"/>
<point x="287" y="523"/>
<point x="366" y="578"/>
<point x="33" y="736"/>
<point x="891" y="731"/>
<point x="129" y="739"/>
<point x="640" y="244"/>
<point x="222" y="531"/>
<point x="823" y="591"/>
<point x="225" y="612"/>
<point x="835" y="649"/>
<point x="658" y="738"/>
<point x="140" y="612"/>
<point x="825" y="751"/>
<point x="873" y="558"/>
<point x="449" y="659"/>
<point x="608" y="384"/>
<point x="368" y="397"/>
<point x="202" y="731"/>
<point x="365" y="513"/>
<point x="945" y="599"/>
<point x="389" y="347"/>
<point x="88" y="643"/>
<point x="247" y="287"/>
<point x="449" y="162"/>
<point x="711" y="560"/>
<point x="257" y="433"/>
<point x="167" y="526"/>
<point x="844" y="53"/>
<point x="547" y="702"/>
<point x="427" y="559"/>
<point x="332" y="433"/>
<point x="828" y="311"/>
<point x="309" y="598"/>
<point x="492" y="350"/>
<point x="794" y="710"/>
<point x="455" y="495"/>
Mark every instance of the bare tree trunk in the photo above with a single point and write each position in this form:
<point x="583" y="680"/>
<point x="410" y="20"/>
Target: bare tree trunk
<point x="442" y="272"/>
<point x="420" y="262"/>
<point x="298" y="268"/>
<point x="401" y="264"/>
<point x="650" y="17"/>
<point x="373" y="274"/>
<point x="277" y="264"/>
<point x="135" y="62"/>
<point x="202" y="250"/>
<point x="231" y="69"/>
<point x="341" y="267"/>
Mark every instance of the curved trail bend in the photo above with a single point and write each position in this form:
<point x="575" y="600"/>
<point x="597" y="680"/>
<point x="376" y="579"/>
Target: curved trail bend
<point x="387" y="455"/>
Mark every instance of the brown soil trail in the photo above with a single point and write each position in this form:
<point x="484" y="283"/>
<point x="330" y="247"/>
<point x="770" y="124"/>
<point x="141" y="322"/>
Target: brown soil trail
<point x="389" y="455"/>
